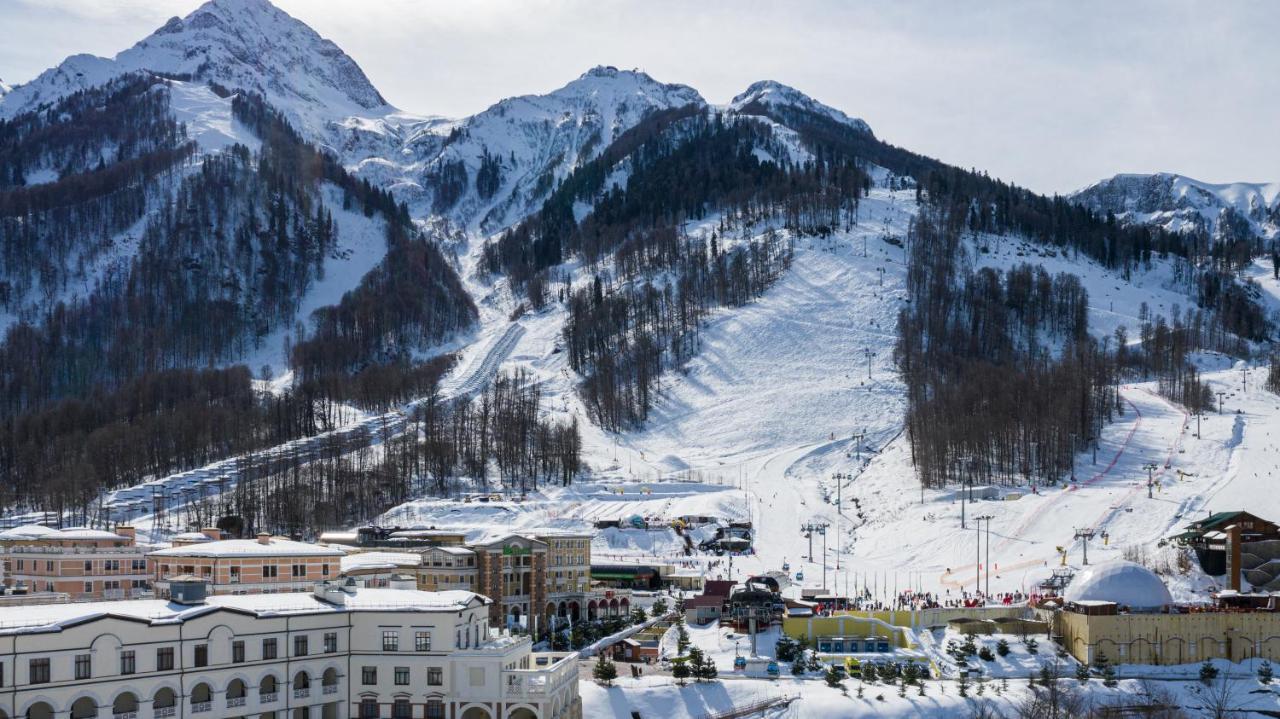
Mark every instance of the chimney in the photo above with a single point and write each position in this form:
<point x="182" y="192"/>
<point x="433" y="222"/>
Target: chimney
<point x="264" y="538"/>
<point x="125" y="530"/>
<point x="212" y="533"/>
<point x="1233" y="556"/>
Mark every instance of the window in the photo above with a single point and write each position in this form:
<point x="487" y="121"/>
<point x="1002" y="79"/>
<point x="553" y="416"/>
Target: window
<point x="368" y="708"/>
<point x="237" y="652"/>
<point x="435" y="709"/>
<point x="269" y="648"/>
<point x="368" y="675"/>
<point x="164" y="659"/>
<point x="88" y="587"/>
<point x="139" y="565"/>
<point x="235" y="575"/>
<point x="270" y="571"/>
<point x="299" y="570"/>
<point x="402" y="709"/>
<point x="39" y="671"/>
<point x="390" y="641"/>
<point x="202" y="655"/>
<point x="330" y="642"/>
<point x="422" y="641"/>
<point x="300" y="646"/>
<point x="128" y="662"/>
<point x="402" y="676"/>
<point x="324" y="570"/>
<point x="84" y="666"/>
<point x="435" y="676"/>
<point x="88" y="565"/>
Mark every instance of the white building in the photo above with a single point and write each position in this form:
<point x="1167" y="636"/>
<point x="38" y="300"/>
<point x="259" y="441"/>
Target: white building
<point x="337" y="652"/>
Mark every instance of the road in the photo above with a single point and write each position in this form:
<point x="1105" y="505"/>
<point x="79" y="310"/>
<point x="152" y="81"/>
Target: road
<point x="172" y="492"/>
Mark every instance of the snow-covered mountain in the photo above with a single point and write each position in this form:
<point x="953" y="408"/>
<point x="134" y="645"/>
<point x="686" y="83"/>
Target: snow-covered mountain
<point x="248" y="44"/>
<point x="1181" y="204"/>
<point x="773" y="95"/>
<point x="492" y="168"/>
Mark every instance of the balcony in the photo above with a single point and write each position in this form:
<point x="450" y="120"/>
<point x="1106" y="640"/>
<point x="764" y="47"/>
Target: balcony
<point x="235" y="702"/>
<point x="330" y="689"/>
<point x="302" y="693"/>
<point x="553" y="671"/>
<point x="201" y="707"/>
<point x="270" y="698"/>
<point x="162" y="712"/>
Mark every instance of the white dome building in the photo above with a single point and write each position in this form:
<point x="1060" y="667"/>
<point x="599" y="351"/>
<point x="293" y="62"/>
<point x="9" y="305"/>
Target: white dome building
<point x="1127" y="584"/>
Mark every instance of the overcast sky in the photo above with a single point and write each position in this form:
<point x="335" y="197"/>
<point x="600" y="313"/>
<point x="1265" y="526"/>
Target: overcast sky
<point x="1052" y="95"/>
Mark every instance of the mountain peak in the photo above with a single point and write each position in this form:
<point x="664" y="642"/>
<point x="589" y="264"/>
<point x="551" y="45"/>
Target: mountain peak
<point x="245" y="44"/>
<point x="1181" y="204"/>
<point x="772" y="93"/>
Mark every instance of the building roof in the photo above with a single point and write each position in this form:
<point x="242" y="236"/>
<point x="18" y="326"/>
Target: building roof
<point x="33" y="618"/>
<point x="719" y="587"/>
<point x="1120" y="582"/>
<point x="370" y="561"/>
<point x="703" y="600"/>
<point x="37" y="531"/>
<point x="28" y="531"/>
<point x="275" y="547"/>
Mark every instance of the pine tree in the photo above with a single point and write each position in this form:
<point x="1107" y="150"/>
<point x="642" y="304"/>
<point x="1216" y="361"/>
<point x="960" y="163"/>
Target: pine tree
<point x="1208" y="672"/>
<point x="833" y="676"/>
<point x="695" y="663"/>
<point x="1002" y="647"/>
<point x="1082" y="672"/>
<point x="605" y="671"/>
<point x="680" y="670"/>
<point x="1264" y="672"/>
<point x="706" y="669"/>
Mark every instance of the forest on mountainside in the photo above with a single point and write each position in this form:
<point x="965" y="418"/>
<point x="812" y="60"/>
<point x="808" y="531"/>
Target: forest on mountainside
<point x="1004" y="382"/>
<point x="621" y="337"/>
<point x="1208" y="271"/>
<point x="103" y="390"/>
<point x="681" y="165"/>
<point x="451" y="445"/>
<point x="643" y="316"/>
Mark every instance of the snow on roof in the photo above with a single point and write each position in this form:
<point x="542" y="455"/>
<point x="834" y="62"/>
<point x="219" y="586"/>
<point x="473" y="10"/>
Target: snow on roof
<point x="364" y="561"/>
<point x="84" y="533"/>
<point x="53" y="617"/>
<point x="275" y="547"/>
<point x="1124" y="583"/>
<point x="192" y="537"/>
<point x="28" y="531"/>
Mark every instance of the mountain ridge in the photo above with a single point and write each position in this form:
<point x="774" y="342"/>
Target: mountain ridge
<point x="1183" y="204"/>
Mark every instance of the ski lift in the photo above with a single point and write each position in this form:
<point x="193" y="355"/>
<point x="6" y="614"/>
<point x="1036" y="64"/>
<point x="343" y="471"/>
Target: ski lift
<point x="739" y="663"/>
<point x="772" y="669"/>
<point x="799" y="576"/>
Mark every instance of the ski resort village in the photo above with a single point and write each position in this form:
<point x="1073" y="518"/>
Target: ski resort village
<point x="610" y="401"/>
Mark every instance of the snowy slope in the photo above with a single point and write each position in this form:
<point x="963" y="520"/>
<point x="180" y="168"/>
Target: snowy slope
<point x="1181" y="204"/>
<point x="247" y="44"/>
